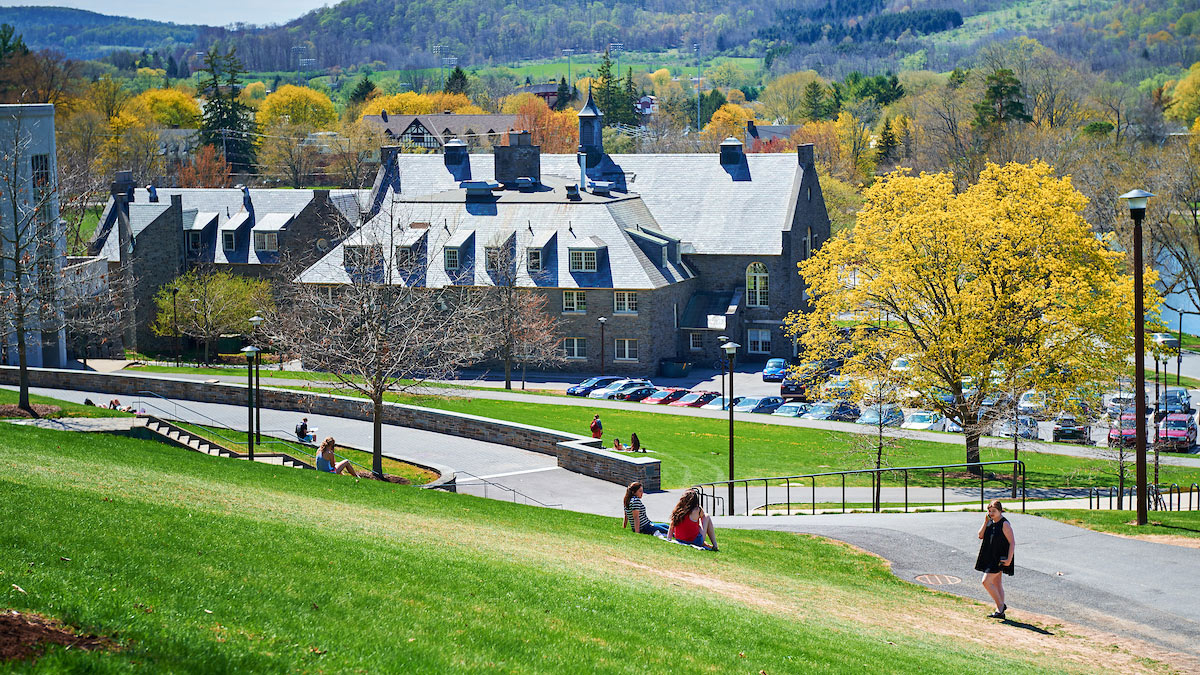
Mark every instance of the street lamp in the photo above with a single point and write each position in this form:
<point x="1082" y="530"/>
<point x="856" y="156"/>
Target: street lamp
<point x="696" y="49"/>
<point x="721" y="340"/>
<point x="602" y="320"/>
<point x="730" y="352"/>
<point x="251" y="353"/>
<point x="617" y="48"/>
<point x="1137" y="211"/>
<point x="257" y="321"/>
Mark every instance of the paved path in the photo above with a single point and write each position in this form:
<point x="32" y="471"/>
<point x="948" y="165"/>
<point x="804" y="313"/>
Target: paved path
<point x="1134" y="588"/>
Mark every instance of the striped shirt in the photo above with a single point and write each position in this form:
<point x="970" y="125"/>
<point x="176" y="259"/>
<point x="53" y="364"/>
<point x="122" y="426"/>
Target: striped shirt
<point x="636" y="504"/>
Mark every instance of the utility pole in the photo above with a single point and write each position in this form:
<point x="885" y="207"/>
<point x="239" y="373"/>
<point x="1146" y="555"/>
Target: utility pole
<point x="696" y="49"/>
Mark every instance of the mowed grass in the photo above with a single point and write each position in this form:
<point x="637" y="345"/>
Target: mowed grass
<point x="200" y="564"/>
<point x="11" y="396"/>
<point x="696" y="449"/>
<point x="1171" y="523"/>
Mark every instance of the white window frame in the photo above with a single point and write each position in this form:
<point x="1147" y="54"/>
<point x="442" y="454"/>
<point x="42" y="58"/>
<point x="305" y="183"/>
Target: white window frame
<point x="583" y="260"/>
<point x="754" y="336"/>
<point x="757" y="286"/>
<point x="229" y="240"/>
<point x="696" y="341"/>
<point x="625" y="302"/>
<point x="404" y="258"/>
<point x="575" y="348"/>
<point x="266" y="242"/>
<point x="533" y="259"/>
<point x="195" y="241"/>
<point x="625" y="349"/>
<point x="451" y="255"/>
<point x="574" y="302"/>
<point x="367" y="256"/>
<point x="492" y="256"/>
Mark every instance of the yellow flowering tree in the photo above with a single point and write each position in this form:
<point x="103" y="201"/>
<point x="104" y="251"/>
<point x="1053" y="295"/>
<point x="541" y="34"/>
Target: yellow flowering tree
<point x="297" y="107"/>
<point x="170" y="107"/>
<point x="729" y="120"/>
<point x="997" y="288"/>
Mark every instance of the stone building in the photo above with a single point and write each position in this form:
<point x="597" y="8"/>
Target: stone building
<point x="670" y="250"/>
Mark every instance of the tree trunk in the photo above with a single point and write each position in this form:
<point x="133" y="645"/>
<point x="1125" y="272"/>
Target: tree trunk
<point x="507" y="367"/>
<point x="973" y="433"/>
<point x="377" y="446"/>
<point x="206" y="357"/>
<point x="23" y="365"/>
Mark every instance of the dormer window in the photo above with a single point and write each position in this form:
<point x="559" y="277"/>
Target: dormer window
<point x="450" y="256"/>
<point x="405" y="258"/>
<point x="583" y="261"/>
<point x="266" y="241"/>
<point x="229" y="240"/>
<point x="493" y="258"/>
<point x="195" y="241"/>
<point x="360" y="258"/>
<point x="533" y="260"/>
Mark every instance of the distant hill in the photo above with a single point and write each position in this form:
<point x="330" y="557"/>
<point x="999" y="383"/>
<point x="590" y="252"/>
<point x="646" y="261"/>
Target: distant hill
<point x="81" y="34"/>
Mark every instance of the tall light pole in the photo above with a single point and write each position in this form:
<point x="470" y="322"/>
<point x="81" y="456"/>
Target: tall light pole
<point x="721" y="340"/>
<point x="251" y="352"/>
<point x="257" y="321"/>
<point x="447" y="62"/>
<point x="570" y="83"/>
<point x="438" y="50"/>
<point x="1137" y="211"/>
<point x="602" y="320"/>
<point x="696" y="49"/>
<point x="731" y="352"/>
<point x="195" y="312"/>
<point x="617" y="48"/>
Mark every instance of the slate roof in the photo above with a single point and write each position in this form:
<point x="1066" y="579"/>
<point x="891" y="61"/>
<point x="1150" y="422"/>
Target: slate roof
<point x="547" y="220"/>
<point x="769" y="132"/>
<point x="140" y="217"/>
<point x="716" y="209"/>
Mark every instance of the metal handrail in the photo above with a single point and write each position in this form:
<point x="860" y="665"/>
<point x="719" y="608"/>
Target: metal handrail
<point x="485" y="483"/>
<point x="876" y="476"/>
<point x="214" y="422"/>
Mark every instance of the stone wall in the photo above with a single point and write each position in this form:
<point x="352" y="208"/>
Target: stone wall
<point x="575" y="453"/>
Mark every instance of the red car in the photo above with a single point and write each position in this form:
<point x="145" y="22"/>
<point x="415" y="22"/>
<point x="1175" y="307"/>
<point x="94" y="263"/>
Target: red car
<point x="665" y="395"/>
<point x="1177" y="431"/>
<point x="1124" y="432"/>
<point x="695" y="399"/>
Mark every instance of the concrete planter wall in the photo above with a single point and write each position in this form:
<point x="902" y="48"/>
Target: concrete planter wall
<point x="575" y="453"/>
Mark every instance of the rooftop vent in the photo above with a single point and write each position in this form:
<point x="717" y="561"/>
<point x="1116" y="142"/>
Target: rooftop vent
<point x="520" y="138"/>
<point x="573" y="192"/>
<point x="601" y="187"/>
<point x="525" y="183"/>
<point x="731" y="151"/>
<point x="153" y="192"/>
<point x="479" y="188"/>
<point x="383" y="115"/>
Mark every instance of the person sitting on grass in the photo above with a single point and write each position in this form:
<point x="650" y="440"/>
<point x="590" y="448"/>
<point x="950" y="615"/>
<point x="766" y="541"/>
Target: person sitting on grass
<point x="326" y="459"/>
<point x="689" y="522"/>
<point x="634" y="444"/>
<point x="636" y="518"/>
<point x="618" y="446"/>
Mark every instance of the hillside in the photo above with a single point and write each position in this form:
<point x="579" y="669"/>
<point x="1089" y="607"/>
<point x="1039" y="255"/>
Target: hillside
<point x="192" y="563"/>
<point x="82" y="34"/>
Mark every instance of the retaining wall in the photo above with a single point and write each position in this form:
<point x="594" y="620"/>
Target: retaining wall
<point x="575" y="453"/>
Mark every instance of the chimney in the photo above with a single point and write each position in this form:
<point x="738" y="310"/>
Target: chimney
<point x="383" y="116"/>
<point x="804" y="153"/>
<point x="387" y="176"/>
<point x="457" y="158"/>
<point x="247" y="204"/>
<point x="153" y="193"/>
<point x="519" y="159"/>
<point x="731" y="152"/>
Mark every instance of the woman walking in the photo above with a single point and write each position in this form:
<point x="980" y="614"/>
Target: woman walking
<point x="636" y="517"/>
<point x="689" y="522"/>
<point x="996" y="554"/>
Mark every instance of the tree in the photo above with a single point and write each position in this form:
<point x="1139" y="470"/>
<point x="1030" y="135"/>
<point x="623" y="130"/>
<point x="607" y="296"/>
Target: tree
<point x="729" y="120"/>
<point x="562" y="98"/>
<point x="522" y="328"/>
<point x="815" y="104"/>
<point x="227" y="123"/>
<point x="886" y="145"/>
<point x="363" y="90"/>
<point x="208" y="305"/>
<point x="457" y="83"/>
<point x="170" y="108"/>
<point x="297" y="107"/>
<point x="1002" y="102"/>
<point x="556" y="132"/>
<point x="353" y="147"/>
<point x="1003" y="278"/>
<point x="287" y="155"/>
<point x="95" y="311"/>
<point x="208" y="169"/>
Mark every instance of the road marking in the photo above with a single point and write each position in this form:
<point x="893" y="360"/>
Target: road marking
<point x="517" y="473"/>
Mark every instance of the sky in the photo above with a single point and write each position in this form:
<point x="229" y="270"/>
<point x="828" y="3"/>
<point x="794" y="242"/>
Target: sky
<point x="209" y="12"/>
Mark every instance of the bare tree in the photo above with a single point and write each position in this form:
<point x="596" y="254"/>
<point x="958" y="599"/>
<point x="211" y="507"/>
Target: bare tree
<point x="522" y="328"/>
<point x="94" y="308"/>
<point x="287" y="154"/>
<point x="353" y="147"/>
<point x="374" y="324"/>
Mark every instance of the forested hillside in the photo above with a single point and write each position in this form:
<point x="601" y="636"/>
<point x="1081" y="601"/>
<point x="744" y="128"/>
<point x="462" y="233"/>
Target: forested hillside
<point x="84" y="35"/>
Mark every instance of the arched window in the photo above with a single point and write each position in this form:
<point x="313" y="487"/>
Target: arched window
<point x="756" y="285"/>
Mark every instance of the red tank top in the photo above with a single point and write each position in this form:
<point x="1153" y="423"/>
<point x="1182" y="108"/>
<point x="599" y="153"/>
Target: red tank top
<point x="687" y="530"/>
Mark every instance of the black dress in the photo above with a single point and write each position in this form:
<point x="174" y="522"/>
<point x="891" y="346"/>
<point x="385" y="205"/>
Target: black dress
<point x="993" y="549"/>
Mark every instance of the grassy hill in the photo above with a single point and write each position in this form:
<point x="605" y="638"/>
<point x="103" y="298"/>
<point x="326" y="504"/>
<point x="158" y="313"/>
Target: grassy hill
<point x="195" y="563"/>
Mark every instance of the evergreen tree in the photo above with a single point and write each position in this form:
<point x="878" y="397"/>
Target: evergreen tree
<point x="457" y="82"/>
<point x="181" y="70"/>
<point x="172" y="67"/>
<point x="227" y="122"/>
<point x="629" y="99"/>
<point x="11" y="45"/>
<point x="886" y="147"/>
<point x="1001" y="102"/>
<point x="362" y="90"/>
<point x="604" y="89"/>
<point x="562" y="98"/>
<point x="813" y="105"/>
<point x="710" y="103"/>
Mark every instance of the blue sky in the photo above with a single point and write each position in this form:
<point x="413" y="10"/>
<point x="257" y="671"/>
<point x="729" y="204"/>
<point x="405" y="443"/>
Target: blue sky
<point x="210" y="12"/>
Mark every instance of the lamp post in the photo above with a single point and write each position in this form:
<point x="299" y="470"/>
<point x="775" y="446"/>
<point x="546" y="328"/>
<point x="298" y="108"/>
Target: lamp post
<point x="617" y="48"/>
<point x="257" y="321"/>
<point x="570" y="83"/>
<point x="251" y="353"/>
<point x="1179" y="351"/>
<point x="730" y="352"/>
<point x="175" y="319"/>
<point x="438" y="51"/>
<point x="721" y="340"/>
<point x="602" y="320"/>
<point x="1137" y="211"/>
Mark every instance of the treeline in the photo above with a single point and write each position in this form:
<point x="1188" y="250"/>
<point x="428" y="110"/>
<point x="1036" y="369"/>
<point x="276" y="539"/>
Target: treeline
<point x="793" y="26"/>
<point x="82" y="34"/>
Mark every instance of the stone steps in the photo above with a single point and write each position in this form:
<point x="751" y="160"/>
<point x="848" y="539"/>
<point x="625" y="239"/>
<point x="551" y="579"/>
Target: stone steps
<point x="179" y="437"/>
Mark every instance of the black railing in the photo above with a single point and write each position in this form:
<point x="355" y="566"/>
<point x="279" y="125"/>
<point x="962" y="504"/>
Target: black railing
<point x="1161" y="497"/>
<point x="476" y="480"/>
<point x="808" y="482"/>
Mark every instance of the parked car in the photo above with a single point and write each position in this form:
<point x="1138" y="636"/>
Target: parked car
<point x="792" y="409"/>
<point x="718" y="403"/>
<point x="801" y="383"/>
<point x="1023" y="427"/>
<point x="759" y="404"/>
<point x="1124" y="432"/>
<point x="591" y="384"/>
<point x="840" y="387"/>
<point x="924" y="420"/>
<point x="1177" y="432"/>
<point x="886" y="414"/>
<point x="1070" y="429"/>
<point x="1176" y="400"/>
<point x="665" y="395"/>
<point x="901" y="364"/>
<point x="774" y="370"/>
<point x="995" y="405"/>
<point x="1032" y="404"/>
<point x="695" y="399"/>
<point x="635" y="394"/>
<point x="838" y="411"/>
<point x="1166" y="340"/>
<point x="620" y="386"/>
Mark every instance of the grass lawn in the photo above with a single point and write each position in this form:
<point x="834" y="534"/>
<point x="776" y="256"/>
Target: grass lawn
<point x="10" y="396"/>
<point x="236" y="441"/>
<point x="198" y="564"/>
<point x="1170" y="523"/>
